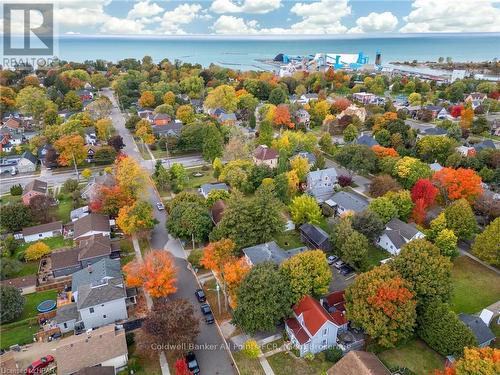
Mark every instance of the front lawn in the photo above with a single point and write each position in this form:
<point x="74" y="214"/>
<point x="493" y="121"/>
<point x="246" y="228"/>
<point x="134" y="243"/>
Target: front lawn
<point x="248" y="366"/>
<point x="64" y="208"/>
<point x="474" y="286"/>
<point x="27" y="268"/>
<point x="17" y="333"/>
<point x="199" y="176"/>
<point x="289" y="240"/>
<point x="375" y="255"/>
<point x="6" y="199"/>
<point x="284" y="363"/>
<point x="211" y="293"/>
<point x="414" y="355"/>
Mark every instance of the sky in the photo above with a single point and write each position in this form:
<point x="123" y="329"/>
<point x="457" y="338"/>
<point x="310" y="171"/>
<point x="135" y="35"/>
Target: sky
<point x="273" y="17"/>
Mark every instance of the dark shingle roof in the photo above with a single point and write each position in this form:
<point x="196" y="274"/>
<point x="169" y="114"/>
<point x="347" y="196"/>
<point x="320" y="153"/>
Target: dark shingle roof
<point x="28" y="155"/>
<point x="54" y="226"/>
<point x="479" y="328"/>
<point x="314" y="233"/>
<point x="435" y="131"/>
<point x="406" y="230"/>
<point x="263" y="152"/>
<point x="94" y="246"/>
<point x="269" y="252"/>
<point x="350" y="201"/>
<point x="397" y="240"/>
<point x="100" y="370"/>
<point x="36" y="185"/>
<point x="20" y="282"/>
<point x="65" y="258"/>
<point x="66" y="313"/>
<point x="92" y="222"/>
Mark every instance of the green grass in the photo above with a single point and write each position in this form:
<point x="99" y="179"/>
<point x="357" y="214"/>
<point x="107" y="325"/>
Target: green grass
<point x="142" y="365"/>
<point x="474" y="286"/>
<point x="375" y="255"/>
<point x="53" y="243"/>
<point x="248" y="366"/>
<point x="495" y="327"/>
<point x="289" y="240"/>
<point x="6" y="199"/>
<point x="414" y="355"/>
<point x="33" y="300"/>
<point x="144" y="245"/>
<point x="272" y="345"/>
<point x="127" y="259"/>
<point x="27" y="268"/>
<point x="64" y="209"/>
<point x="285" y="364"/>
<point x="195" y="182"/>
<point x="17" y="333"/>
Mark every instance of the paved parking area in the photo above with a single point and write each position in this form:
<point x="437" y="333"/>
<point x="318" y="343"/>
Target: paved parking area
<point x="340" y="282"/>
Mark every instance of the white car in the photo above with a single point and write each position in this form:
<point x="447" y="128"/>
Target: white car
<point x="160" y="206"/>
<point x="338" y="264"/>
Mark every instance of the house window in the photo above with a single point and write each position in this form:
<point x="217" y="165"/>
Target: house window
<point x="325" y="331"/>
<point x="91" y="310"/>
<point x="65" y="325"/>
<point x="323" y="343"/>
<point x="40" y="234"/>
<point x="104" y="316"/>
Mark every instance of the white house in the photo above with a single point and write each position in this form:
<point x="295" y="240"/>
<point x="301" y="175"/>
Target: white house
<point x="364" y="97"/>
<point x="40" y="232"/>
<point x="265" y="155"/>
<point x="396" y="234"/>
<point x="320" y="183"/>
<point x="205" y="189"/>
<point x="314" y="326"/>
<point x="90" y="225"/>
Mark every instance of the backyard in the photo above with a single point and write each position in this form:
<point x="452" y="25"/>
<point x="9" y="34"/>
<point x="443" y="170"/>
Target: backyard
<point x="285" y="363"/>
<point x="467" y="276"/>
<point x="414" y="355"/>
<point x="375" y="255"/>
<point x="289" y="240"/>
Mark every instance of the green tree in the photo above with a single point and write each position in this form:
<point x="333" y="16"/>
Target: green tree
<point x="277" y="96"/>
<point x="189" y="220"/>
<point x="355" y="249"/>
<point x="12" y="303"/>
<point x="15" y="216"/>
<point x="487" y="245"/>
<point x="264" y="299"/>
<point x="222" y="96"/>
<point x="357" y="158"/>
<point x="213" y="144"/>
<point x="305" y="209"/>
<point x="384" y="208"/>
<point x="433" y="148"/>
<point x="217" y="167"/>
<point x="72" y="102"/>
<point x="403" y="203"/>
<point x="409" y="170"/>
<point x="442" y="330"/>
<point x="460" y="219"/>
<point x="308" y="273"/>
<point x="9" y="268"/>
<point x="215" y="195"/>
<point x="259" y="173"/>
<point x="350" y="133"/>
<point x="177" y="177"/>
<point x="32" y="101"/>
<point x="426" y="270"/>
<point x="446" y="241"/>
<point x="9" y="245"/>
<point x="16" y="190"/>
<point x="265" y="133"/>
<point x="380" y="301"/>
<point x="369" y="224"/>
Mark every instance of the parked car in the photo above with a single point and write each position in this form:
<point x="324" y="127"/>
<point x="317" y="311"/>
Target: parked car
<point x="207" y="313"/>
<point x="332" y="259"/>
<point x="200" y="295"/>
<point x="192" y="363"/>
<point x="339" y="263"/>
<point x="160" y="206"/>
<point x="38" y="366"/>
<point x="346" y="270"/>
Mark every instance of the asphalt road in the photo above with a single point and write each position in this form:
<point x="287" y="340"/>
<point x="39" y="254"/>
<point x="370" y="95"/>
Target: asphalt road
<point x="212" y="355"/>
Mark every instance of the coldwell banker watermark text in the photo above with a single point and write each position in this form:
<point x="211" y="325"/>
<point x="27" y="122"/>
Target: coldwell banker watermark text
<point x="28" y="35"/>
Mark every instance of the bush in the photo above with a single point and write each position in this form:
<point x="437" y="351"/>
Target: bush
<point x="12" y="303"/>
<point x="36" y="251"/>
<point x="309" y="356"/>
<point x="195" y="257"/>
<point x="345" y="180"/>
<point x="70" y="185"/>
<point x="251" y="349"/>
<point x="16" y="190"/>
<point x="333" y="354"/>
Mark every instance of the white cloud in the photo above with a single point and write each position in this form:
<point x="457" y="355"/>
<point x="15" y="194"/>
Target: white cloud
<point x="181" y="15"/>
<point x="375" y="22"/>
<point x="452" y="16"/>
<point x="80" y="13"/>
<point x="115" y="25"/>
<point x="247" y="6"/>
<point x="144" y="9"/>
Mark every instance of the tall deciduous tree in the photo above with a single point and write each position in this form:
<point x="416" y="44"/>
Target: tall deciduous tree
<point x="12" y="303"/>
<point x="71" y="149"/>
<point x="130" y="175"/>
<point x="384" y="208"/>
<point x="458" y="183"/>
<point x="156" y="274"/>
<point x="189" y="220"/>
<point x="222" y="96"/>
<point x="147" y="99"/>
<point x="369" y="224"/>
<point x="382" y="184"/>
<point x="136" y="219"/>
<point x="14" y="217"/>
<point x="309" y="274"/>
<point x="381" y="302"/>
<point x="460" y="219"/>
<point x="487" y="244"/>
<point x="305" y="209"/>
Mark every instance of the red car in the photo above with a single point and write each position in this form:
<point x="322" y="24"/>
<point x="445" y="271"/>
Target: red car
<point x="37" y="366"/>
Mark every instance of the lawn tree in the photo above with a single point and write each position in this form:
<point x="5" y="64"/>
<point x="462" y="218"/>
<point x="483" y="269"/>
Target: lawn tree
<point x="369" y="224"/>
<point x="486" y="244"/>
<point x="409" y="170"/>
<point x="300" y="164"/>
<point x="355" y="249"/>
<point x="71" y="149"/>
<point x="461" y="219"/>
<point x="380" y="301"/>
<point x="305" y="209"/>
<point x="403" y="203"/>
<point x="350" y="133"/>
<point x="103" y="127"/>
<point x="190" y="221"/>
<point x="427" y="272"/>
<point x="384" y="208"/>
<point x="308" y="274"/>
<point x="171" y="324"/>
<point x="442" y="330"/>
<point x="382" y="184"/>
<point x="110" y="200"/>
<point x="36" y="251"/>
<point x="356" y="157"/>
<point x="223" y="96"/>
<point x="177" y="177"/>
<point x="156" y="274"/>
<point x="9" y="245"/>
<point x="213" y="143"/>
<point x="215" y="195"/>
<point x="264" y="299"/>
<point x="12" y="303"/>
<point x="15" y="216"/>
<point x="458" y="183"/>
<point x="9" y="268"/>
<point x="446" y="241"/>
<point x="475" y="361"/>
<point x="40" y="207"/>
<point x="137" y="219"/>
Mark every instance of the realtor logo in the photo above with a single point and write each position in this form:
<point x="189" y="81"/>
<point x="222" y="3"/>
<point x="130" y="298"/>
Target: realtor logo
<point x="28" y="29"/>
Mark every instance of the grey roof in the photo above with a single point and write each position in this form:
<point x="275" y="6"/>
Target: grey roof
<point x="104" y="269"/>
<point x="488" y="143"/>
<point x="207" y="188"/>
<point x="269" y="252"/>
<point x="227" y="117"/>
<point x="79" y="212"/>
<point x="350" y="201"/>
<point x="435" y="131"/>
<point x="42" y="228"/>
<point x="89" y="130"/>
<point x="368" y="140"/>
<point x="65" y="313"/>
<point x="173" y="128"/>
<point x="91" y="222"/>
<point x="36" y="185"/>
<point x="28" y="155"/>
<point x="314" y="233"/>
<point x="311" y="158"/>
<point x="397" y="240"/>
<point x="316" y="181"/>
<point x="65" y="258"/>
<point x="436" y="108"/>
<point x="96" y="294"/>
<point x="479" y="328"/>
<point x="436" y="166"/>
<point x="404" y="229"/>
<point x="99" y="370"/>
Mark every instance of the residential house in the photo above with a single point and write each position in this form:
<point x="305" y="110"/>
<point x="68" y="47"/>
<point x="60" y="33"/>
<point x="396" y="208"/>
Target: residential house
<point x="466" y="150"/>
<point x="25" y="284"/>
<point x="227" y="118"/>
<point x="320" y="183"/>
<point x="434" y="110"/>
<point x="205" y="189"/>
<point x="90" y="135"/>
<point x="302" y="117"/>
<point x="443" y="114"/>
<point x="495" y="128"/>
<point x="314" y="326"/>
<point x="347" y="202"/>
<point x="306" y="98"/>
<point x="146" y="114"/>
<point x="85" y="95"/>
<point x="435" y="167"/>
<point x="40" y="232"/>
<point x="315" y="237"/>
<point x="483" y="145"/>
<point x="367" y="140"/>
<point x="197" y="105"/>
<point x="269" y="252"/>
<point x="172" y="129"/>
<point x="105" y="346"/>
<point x="65" y="114"/>
<point x="311" y="158"/>
<point x="90" y="225"/>
<point x="91" y="191"/>
<point x="13" y="124"/>
<point x="433" y="131"/>
<point x="42" y="153"/>
<point x="161" y="119"/>
<point x="91" y="151"/>
<point x="477" y="97"/>
<point x="354" y="110"/>
<point x="79" y="212"/>
<point x="217" y="211"/>
<point x="33" y="189"/>
<point x="24" y="163"/>
<point x="484" y="335"/>
<point x="265" y="155"/>
<point x="364" y="97"/>
<point x="359" y="363"/>
<point x="396" y="234"/>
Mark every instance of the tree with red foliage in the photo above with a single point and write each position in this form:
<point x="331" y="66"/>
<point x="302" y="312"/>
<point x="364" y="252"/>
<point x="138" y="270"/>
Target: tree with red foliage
<point x="181" y="367"/>
<point x="419" y="211"/>
<point x="344" y="180"/>
<point x="456" y="110"/>
<point x="340" y="104"/>
<point x="494" y="95"/>
<point x="282" y="117"/>
<point x="458" y="183"/>
<point x="425" y="190"/>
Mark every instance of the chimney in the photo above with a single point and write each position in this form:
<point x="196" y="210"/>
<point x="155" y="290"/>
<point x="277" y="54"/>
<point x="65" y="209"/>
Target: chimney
<point x="89" y="268"/>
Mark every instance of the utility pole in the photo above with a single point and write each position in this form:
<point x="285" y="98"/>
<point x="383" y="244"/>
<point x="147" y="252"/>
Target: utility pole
<point x="217" y="288"/>
<point x="76" y="168"/>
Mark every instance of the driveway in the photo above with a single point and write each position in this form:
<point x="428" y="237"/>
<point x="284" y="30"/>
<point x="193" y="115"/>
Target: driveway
<point x="339" y="281"/>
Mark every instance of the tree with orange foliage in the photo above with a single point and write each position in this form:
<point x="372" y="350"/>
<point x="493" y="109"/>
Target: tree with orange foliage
<point x="71" y="149"/>
<point x="340" y="104"/>
<point x="381" y="302"/>
<point x="157" y="274"/>
<point x="382" y="152"/>
<point x="484" y="361"/>
<point x="110" y="199"/>
<point x="458" y="183"/>
<point x="218" y="253"/>
<point x="282" y="117"/>
<point x="129" y="175"/>
<point x="466" y="117"/>
<point x="147" y="99"/>
<point x="234" y="273"/>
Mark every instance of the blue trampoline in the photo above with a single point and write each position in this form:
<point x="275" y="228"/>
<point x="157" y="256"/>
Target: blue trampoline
<point x="46" y="306"/>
